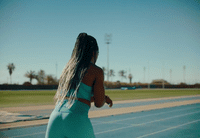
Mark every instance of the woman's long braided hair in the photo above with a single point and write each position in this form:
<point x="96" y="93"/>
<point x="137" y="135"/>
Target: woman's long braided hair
<point x="76" y="68"/>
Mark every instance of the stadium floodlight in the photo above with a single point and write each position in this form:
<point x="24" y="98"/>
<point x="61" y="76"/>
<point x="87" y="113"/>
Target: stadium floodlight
<point x="170" y="75"/>
<point x="108" y="41"/>
<point x="148" y="77"/>
<point x="163" y="83"/>
<point x="56" y="70"/>
<point x="144" y="73"/>
<point x="184" y="73"/>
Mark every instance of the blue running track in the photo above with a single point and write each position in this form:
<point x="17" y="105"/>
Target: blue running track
<point x="175" y="122"/>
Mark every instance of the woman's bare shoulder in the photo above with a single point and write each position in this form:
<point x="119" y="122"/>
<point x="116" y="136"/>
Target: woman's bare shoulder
<point x="96" y="68"/>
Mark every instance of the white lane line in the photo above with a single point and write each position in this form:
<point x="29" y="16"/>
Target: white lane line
<point x="112" y="130"/>
<point x="167" y="118"/>
<point x="43" y="132"/>
<point x="134" y="125"/>
<point x="114" y="121"/>
<point x="168" y="129"/>
<point x="94" y="121"/>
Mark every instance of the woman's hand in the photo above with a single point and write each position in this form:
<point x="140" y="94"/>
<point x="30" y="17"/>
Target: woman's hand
<point x="109" y="101"/>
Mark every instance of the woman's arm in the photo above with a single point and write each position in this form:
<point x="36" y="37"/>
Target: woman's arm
<point x="99" y="92"/>
<point x="107" y="100"/>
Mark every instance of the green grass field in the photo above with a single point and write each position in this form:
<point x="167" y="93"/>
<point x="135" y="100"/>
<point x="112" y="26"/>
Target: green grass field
<point x="27" y="98"/>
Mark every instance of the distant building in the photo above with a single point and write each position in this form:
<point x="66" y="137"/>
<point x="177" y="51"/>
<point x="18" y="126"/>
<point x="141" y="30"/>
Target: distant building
<point x="159" y="81"/>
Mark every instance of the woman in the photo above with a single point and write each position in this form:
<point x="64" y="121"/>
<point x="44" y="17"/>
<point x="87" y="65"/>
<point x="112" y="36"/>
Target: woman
<point x="80" y="84"/>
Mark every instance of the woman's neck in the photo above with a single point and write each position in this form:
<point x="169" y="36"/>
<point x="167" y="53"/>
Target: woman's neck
<point x="92" y="61"/>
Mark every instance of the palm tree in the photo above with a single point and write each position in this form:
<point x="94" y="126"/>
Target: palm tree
<point x="130" y="77"/>
<point x="31" y="75"/>
<point x="11" y="68"/>
<point x="122" y="74"/>
<point x="40" y="77"/>
<point x="111" y="73"/>
<point x="104" y="70"/>
<point x="51" y="80"/>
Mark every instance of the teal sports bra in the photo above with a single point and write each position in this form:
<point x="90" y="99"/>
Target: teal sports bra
<point x="84" y="92"/>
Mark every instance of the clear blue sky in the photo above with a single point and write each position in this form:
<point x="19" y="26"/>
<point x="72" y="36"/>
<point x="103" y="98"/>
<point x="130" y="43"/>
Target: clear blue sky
<point x="156" y="34"/>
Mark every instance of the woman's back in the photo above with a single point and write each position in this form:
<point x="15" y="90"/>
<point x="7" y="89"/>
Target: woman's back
<point x="91" y="75"/>
<point x="85" y="90"/>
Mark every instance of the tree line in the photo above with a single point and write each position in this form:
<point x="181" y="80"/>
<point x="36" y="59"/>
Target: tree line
<point x="40" y="76"/>
<point x="122" y="74"/>
<point x="43" y="79"/>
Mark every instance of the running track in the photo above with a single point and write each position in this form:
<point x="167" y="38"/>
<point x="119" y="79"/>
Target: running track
<point x="175" y="122"/>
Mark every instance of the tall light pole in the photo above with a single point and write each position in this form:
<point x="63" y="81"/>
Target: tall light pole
<point x="184" y="74"/>
<point x="56" y="70"/>
<point x="108" y="41"/>
<point x="163" y="83"/>
<point x="148" y="76"/>
<point x="144" y="74"/>
<point x="170" y="75"/>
